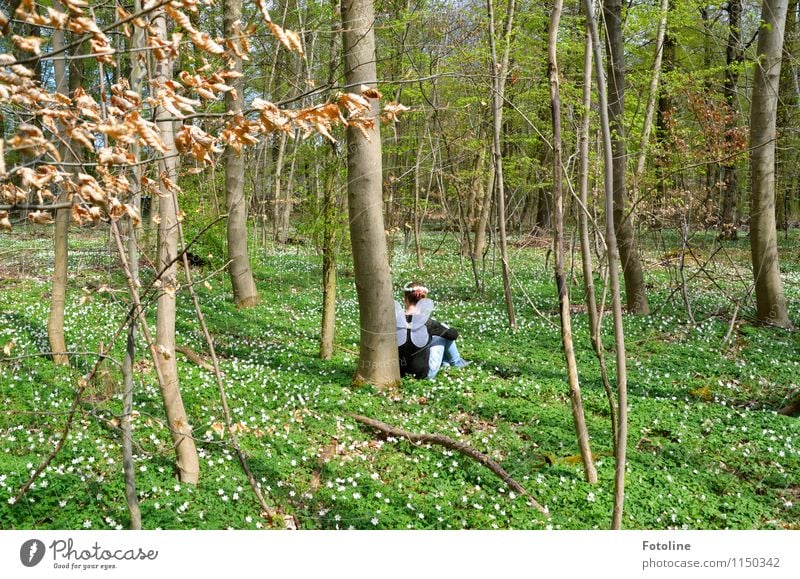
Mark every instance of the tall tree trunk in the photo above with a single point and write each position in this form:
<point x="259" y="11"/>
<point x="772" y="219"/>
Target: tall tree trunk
<point x="187" y="461"/>
<point x="378" y="362"/>
<point x="583" y="226"/>
<point x="621" y="447"/>
<point x="663" y="121"/>
<point x="58" y="295"/>
<point x="770" y="301"/>
<point x="729" y="175"/>
<point x="499" y="71"/>
<point x="137" y="77"/>
<point x="647" y="124"/>
<point x="245" y="294"/>
<point x="578" y="417"/>
<point x="787" y="122"/>
<point x="330" y="242"/>
<point x="635" y="294"/>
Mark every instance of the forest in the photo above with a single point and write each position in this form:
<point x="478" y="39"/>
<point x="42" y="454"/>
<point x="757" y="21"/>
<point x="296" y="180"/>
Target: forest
<point x="212" y="211"/>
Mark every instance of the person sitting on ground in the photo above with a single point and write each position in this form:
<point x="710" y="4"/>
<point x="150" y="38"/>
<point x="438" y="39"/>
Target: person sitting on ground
<point x="424" y="344"/>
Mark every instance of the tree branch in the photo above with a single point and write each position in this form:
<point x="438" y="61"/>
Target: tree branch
<point x="460" y="447"/>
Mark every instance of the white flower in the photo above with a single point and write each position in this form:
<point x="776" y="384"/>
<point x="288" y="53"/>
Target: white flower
<point x="590" y="497"/>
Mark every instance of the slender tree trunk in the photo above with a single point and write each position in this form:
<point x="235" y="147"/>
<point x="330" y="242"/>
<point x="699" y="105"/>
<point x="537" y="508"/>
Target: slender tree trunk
<point x="277" y="211"/>
<point x="770" y="300"/>
<point x="621" y="448"/>
<point x="479" y="243"/>
<point x="55" y="319"/>
<point x="583" y="226"/>
<point x="378" y="363"/>
<point x="647" y="124"/>
<point x="787" y="122"/>
<point x="245" y="294"/>
<point x="137" y="77"/>
<point x="499" y="71"/>
<point x="181" y="431"/>
<point x="729" y="174"/>
<point x="415" y="222"/>
<point x="578" y="417"/>
<point x="631" y="264"/>
<point x="329" y="245"/>
<point x="663" y="121"/>
<point x="127" y="430"/>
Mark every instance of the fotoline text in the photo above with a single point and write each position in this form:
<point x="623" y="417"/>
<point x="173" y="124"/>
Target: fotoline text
<point x="666" y="546"/>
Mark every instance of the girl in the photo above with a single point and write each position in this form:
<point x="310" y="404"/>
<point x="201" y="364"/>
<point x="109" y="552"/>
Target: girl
<point x="424" y="344"/>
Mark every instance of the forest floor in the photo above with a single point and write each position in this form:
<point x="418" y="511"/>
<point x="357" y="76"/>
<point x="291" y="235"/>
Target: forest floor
<point x="706" y="448"/>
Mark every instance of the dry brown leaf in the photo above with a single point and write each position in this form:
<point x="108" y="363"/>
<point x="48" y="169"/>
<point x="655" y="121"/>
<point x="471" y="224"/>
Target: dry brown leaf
<point x="290" y="39"/>
<point x="40" y="217"/>
<point x="262" y="6"/>
<point x="181" y="18"/>
<point x="204" y="41"/>
<point x="28" y="43"/>
<point x="392" y="111"/>
<point x="370" y="92"/>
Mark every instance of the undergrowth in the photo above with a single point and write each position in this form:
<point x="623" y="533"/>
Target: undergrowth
<point x="706" y="448"/>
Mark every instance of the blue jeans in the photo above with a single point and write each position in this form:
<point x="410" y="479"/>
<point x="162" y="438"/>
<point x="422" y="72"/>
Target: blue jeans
<point x="442" y="351"/>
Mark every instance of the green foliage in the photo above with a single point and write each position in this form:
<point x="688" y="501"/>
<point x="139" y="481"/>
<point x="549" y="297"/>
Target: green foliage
<point x="706" y="450"/>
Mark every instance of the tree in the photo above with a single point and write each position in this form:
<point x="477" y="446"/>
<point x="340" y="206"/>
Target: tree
<point x="770" y="301"/>
<point x="378" y="361"/>
<point x="621" y="436"/>
<point x="187" y="460"/>
<point x="636" y="296"/>
<point x="245" y="293"/>
<point x="558" y="242"/>
<point x="729" y="175"/>
<point x="498" y="76"/>
<point x="55" y="319"/>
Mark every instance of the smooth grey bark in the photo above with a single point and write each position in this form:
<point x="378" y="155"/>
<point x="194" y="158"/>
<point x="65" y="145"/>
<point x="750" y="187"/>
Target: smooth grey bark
<point x="621" y="446"/>
<point x="187" y="460"/>
<point x="245" y="293"/>
<point x="578" y="417"/>
<point x="770" y="300"/>
<point x="378" y="357"/>
<point x="636" y="296"/>
<point x="58" y="288"/>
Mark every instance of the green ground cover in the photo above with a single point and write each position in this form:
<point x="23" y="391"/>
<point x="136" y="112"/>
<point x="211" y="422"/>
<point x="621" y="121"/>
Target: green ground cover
<point x="706" y="448"/>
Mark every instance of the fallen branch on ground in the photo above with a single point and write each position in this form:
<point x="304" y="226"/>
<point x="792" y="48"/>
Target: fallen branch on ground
<point x="460" y="447"/>
<point x="194" y="357"/>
